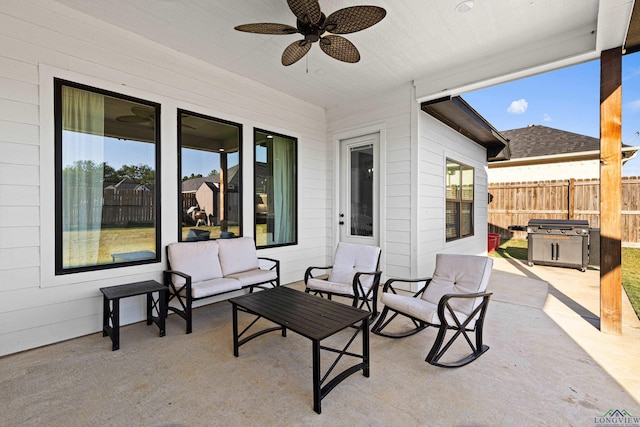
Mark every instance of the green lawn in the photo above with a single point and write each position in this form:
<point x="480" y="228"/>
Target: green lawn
<point x="631" y="276"/>
<point x="96" y="246"/>
<point x="517" y="249"/>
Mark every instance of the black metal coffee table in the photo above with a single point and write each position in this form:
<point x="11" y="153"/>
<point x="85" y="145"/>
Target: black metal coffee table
<point x="312" y="317"/>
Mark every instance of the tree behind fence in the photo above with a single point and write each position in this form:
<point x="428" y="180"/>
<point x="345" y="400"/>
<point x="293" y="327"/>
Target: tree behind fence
<point x="515" y="203"/>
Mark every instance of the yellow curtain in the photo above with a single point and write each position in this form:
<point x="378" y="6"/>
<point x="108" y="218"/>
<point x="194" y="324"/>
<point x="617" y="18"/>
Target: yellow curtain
<point x="82" y="175"/>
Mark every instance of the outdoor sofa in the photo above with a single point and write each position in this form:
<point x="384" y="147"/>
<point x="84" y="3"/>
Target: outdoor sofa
<point x="203" y="269"/>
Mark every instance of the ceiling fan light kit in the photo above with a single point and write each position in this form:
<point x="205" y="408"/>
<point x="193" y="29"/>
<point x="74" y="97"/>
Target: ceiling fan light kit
<point x="314" y="26"/>
<point x="464" y="6"/>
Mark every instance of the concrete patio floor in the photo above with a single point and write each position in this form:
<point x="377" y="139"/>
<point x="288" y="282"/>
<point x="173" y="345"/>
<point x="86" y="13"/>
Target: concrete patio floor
<point x="548" y="365"/>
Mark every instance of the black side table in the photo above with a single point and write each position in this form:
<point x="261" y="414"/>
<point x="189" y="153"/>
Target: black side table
<point x="112" y="294"/>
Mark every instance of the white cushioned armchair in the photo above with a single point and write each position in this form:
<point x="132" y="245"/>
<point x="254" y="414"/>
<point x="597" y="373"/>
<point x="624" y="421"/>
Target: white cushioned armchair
<point x="455" y="298"/>
<point x="354" y="274"/>
<point x="203" y="269"/>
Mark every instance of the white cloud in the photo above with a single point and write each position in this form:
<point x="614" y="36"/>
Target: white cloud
<point x="518" y="107"/>
<point x="546" y="118"/>
<point x="634" y="105"/>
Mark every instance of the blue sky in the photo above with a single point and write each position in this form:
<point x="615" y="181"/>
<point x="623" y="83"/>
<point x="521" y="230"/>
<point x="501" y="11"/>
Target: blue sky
<point x="567" y="99"/>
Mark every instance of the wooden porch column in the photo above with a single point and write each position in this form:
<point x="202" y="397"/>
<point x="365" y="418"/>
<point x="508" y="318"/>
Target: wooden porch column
<point x="611" y="191"/>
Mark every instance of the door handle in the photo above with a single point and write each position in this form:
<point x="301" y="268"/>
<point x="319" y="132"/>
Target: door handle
<point x="341" y="222"/>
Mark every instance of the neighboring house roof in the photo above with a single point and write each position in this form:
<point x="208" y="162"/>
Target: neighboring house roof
<point x="535" y="140"/>
<point x="552" y="145"/>
<point x="128" y="184"/>
<point x="260" y="172"/>
<point x="192" y="185"/>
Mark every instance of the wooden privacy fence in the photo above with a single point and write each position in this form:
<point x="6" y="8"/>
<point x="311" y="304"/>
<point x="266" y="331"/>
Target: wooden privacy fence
<point x="122" y="208"/>
<point x="128" y="207"/>
<point x="188" y="200"/>
<point x="515" y="203"/>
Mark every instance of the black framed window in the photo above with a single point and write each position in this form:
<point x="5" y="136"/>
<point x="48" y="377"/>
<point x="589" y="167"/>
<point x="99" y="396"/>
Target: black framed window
<point x="107" y="179"/>
<point x="210" y="162"/>
<point x="459" y="215"/>
<point x="276" y="189"/>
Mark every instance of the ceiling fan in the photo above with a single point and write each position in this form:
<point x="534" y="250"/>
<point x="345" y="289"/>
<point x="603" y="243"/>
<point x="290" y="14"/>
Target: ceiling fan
<point x="140" y="115"/>
<point x="143" y="115"/>
<point x="313" y="25"/>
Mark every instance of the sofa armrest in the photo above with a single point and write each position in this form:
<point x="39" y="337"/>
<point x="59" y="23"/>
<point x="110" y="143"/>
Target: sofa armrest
<point x="309" y="273"/>
<point x="275" y="265"/>
<point x="168" y="273"/>
<point x="172" y="286"/>
<point x="388" y="285"/>
<point x="357" y="285"/>
<point x="443" y="305"/>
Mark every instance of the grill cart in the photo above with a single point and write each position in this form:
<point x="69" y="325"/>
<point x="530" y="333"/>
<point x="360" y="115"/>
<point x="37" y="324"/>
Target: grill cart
<point x="562" y="243"/>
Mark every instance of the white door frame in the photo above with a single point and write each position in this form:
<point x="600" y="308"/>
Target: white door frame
<point x="345" y="205"/>
<point x="380" y="129"/>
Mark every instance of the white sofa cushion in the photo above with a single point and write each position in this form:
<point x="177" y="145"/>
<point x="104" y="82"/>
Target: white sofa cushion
<point x="214" y="286"/>
<point x="459" y="274"/>
<point x="252" y="277"/>
<point x="327" y="286"/>
<point x="197" y="259"/>
<point x="351" y="258"/>
<point x="418" y="308"/>
<point x="237" y="255"/>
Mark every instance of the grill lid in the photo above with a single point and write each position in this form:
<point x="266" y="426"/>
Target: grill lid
<point x="566" y="224"/>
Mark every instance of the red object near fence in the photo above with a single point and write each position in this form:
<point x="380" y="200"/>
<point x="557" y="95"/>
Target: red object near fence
<point x="493" y="242"/>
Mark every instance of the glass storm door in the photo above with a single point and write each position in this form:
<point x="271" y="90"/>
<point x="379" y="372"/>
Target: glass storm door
<point x="359" y="195"/>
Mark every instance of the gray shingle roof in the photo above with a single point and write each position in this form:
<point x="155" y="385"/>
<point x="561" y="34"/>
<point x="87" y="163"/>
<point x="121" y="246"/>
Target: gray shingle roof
<point x="128" y="184"/>
<point x="192" y="185"/>
<point x="536" y="140"/>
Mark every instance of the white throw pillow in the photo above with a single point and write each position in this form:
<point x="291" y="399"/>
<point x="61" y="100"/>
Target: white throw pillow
<point x="238" y="255"/>
<point x="197" y="259"/>
<point x="351" y="258"/>
<point x="459" y="274"/>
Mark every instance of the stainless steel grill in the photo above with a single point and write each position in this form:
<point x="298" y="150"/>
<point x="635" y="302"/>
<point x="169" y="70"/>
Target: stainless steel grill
<point x="563" y="243"/>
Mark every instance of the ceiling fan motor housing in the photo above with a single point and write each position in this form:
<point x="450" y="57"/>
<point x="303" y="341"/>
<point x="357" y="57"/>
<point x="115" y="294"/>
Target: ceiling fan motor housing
<point x="313" y="32"/>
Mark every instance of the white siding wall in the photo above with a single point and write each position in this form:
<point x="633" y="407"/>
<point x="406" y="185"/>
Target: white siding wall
<point x="389" y="114"/>
<point x="43" y="40"/>
<point x="584" y="169"/>
<point x="437" y="143"/>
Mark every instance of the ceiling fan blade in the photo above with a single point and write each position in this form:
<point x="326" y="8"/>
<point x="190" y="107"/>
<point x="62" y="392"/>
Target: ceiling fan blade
<point x="140" y="115"/>
<point x="132" y="119"/>
<point x="144" y="112"/>
<point x="352" y="19"/>
<point x="340" y="48"/>
<point x="267" y="28"/>
<point x="307" y="11"/>
<point x="295" y="51"/>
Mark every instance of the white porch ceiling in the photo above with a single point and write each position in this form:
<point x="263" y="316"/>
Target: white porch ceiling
<point x="425" y="41"/>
